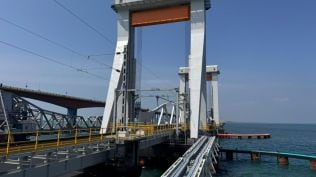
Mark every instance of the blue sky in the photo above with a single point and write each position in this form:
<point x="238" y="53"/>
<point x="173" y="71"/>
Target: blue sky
<point x="266" y="51"/>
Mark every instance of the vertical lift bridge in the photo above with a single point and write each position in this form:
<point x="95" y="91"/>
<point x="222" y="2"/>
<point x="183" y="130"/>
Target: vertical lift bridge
<point x="138" y="13"/>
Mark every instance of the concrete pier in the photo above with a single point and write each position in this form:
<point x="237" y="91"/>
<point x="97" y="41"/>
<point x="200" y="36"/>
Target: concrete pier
<point x="313" y="164"/>
<point x="229" y="155"/>
<point x="282" y="160"/>
<point x="255" y="156"/>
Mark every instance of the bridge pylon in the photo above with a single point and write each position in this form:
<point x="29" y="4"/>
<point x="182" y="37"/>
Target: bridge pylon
<point x="137" y="13"/>
<point x="212" y="72"/>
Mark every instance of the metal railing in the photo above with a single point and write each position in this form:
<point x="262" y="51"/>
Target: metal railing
<point x="53" y="139"/>
<point x="140" y="130"/>
<point x="42" y="140"/>
<point x="207" y="127"/>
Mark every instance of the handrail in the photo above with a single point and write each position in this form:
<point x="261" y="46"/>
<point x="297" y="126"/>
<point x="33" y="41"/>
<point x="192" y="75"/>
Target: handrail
<point x="69" y="137"/>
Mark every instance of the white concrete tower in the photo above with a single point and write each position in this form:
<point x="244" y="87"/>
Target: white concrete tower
<point x="197" y="66"/>
<point x="138" y="13"/>
<point x="211" y="74"/>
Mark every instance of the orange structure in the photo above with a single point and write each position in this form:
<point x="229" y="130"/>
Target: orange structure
<point x="160" y="15"/>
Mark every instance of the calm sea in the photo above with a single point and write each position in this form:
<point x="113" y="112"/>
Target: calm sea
<point x="298" y="138"/>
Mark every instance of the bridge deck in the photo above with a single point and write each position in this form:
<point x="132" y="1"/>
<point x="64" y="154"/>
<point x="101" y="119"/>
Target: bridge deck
<point x="53" y="98"/>
<point x="70" y="150"/>
<point x="69" y="137"/>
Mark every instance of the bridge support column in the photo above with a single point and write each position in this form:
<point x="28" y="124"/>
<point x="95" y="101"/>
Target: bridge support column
<point x="313" y="164"/>
<point x="282" y="160"/>
<point x="127" y="156"/>
<point x="72" y="112"/>
<point x="216" y="165"/>
<point x="197" y="66"/>
<point x="255" y="156"/>
<point x="229" y="155"/>
<point x="215" y="105"/>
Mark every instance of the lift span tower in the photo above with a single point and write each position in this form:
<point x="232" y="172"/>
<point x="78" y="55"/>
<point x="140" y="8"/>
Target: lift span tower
<point x="137" y="13"/>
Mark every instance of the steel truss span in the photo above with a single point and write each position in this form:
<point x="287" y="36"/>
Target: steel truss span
<point x="25" y="116"/>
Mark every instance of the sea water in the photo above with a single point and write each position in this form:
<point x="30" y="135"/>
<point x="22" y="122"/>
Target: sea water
<point x="296" y="138"/>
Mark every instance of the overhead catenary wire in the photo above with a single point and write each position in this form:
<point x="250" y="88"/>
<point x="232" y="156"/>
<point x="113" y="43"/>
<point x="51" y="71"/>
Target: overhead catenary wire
<point x="149" y="70"/>
<point x="156" y="76"/>
<point x="92" y="68"/>
<point x="86" y="57"/>
<point x="83" y="21"/>
<point x="51" y="60"/>
<point x="101" y="63"/>
<point x="138" y="53"/>
<point x="40" y="36"/>
<point x="101" y="54"/>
